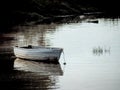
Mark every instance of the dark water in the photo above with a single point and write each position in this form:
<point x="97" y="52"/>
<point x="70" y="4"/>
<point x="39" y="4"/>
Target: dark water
<point x="91" y="51"/>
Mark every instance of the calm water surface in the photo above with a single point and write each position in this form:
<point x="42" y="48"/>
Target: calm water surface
<point x="91" y="51"/>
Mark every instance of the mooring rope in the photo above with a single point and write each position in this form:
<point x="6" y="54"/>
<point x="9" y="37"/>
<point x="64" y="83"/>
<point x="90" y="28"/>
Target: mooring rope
<point x="64" y="58"/>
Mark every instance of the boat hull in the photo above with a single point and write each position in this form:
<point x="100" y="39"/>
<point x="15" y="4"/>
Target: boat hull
<point x="38" y="53"/>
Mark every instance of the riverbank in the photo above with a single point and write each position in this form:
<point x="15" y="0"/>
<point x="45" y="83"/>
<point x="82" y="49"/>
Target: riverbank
<point x="46" y="11"/>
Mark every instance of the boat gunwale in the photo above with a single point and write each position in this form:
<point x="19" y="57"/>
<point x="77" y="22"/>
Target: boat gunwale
<point x="37" y="47"/>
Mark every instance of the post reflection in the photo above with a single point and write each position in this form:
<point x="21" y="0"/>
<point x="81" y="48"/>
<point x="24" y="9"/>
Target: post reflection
<point x="101" y="50"/>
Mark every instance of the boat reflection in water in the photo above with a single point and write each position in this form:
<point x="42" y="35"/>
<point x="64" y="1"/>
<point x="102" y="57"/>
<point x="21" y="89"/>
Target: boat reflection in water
<point x="40" y="68"/>
<point x="31" y="75"/>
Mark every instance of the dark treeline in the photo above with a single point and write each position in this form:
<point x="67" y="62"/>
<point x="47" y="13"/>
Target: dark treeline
<point x="19" y="11"/>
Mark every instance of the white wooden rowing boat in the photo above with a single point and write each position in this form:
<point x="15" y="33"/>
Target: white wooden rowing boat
<point x="38" y="53"/>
